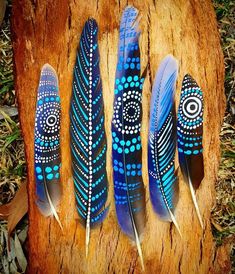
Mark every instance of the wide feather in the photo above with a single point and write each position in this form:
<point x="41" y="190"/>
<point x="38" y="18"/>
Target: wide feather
<point x="126" y="143"/>
<point x="189" y="132"/>
<point x="47" y="143"/>
<point x="163" y="183"/>
<point x="88" y="139"/>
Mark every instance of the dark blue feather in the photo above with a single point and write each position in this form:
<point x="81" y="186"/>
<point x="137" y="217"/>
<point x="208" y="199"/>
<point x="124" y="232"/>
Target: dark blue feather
<point x="47" y="143"/>
<point x="163" y="183"/>
<point x="88" y="139"/>
<point x="126" y="124"/>
<point x="189" y="132"/>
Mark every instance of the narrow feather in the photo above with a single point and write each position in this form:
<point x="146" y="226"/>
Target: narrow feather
<point x="88" y="139"/>
<point x="189" y="132"/>
<point x="163" y="183"/>
<point x="126" y="124"/>
<point x="47" y="143"/>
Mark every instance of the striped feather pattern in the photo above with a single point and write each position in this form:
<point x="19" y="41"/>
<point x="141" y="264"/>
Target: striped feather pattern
<point x="88" y="139"/>
<point x="163" y="183"/>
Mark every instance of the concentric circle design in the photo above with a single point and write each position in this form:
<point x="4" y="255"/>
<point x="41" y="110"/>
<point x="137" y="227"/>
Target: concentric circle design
<point x="51" y="120"/>
<point x="192" y="107"/>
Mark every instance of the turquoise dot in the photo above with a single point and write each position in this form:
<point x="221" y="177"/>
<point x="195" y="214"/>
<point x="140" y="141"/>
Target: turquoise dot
<point x="57" y="99"/>
<point x="92" y="210"/>
<point x="55" y="168"/>
<point x="56" y="142"/>
<point x="137" y="84"/>
<point x="48" y="169"/>
<point x="133" y="166"/>
<point x="47" y="99"/>
<point x="138" y="146"/>
<point x="139" y="138"/>
<point x="126" y="150"/>
<point x="132" y="84"/>
<point x="132" y="148"/>
<point x="115" y="91"/>
<point x="115" y="168"/>
<point x="38" y="169"/>
<point x="123" y="79"/>
<point x="180" y="149"/>
<point x="129" y="79"/>
<point x="126" y="85"/>
<point x="51" y="144"/>
<point x="136" y="78"/>
<point x="40" y="102"/>
<point x="119" y="150"/>
<point x="114" y="134"/>
<point x="116" y="139"/>
<point x="115" y="146"/>
<point x="46" y="144"/>
<point x="57" y="176"/>
<point x="52" y="99"/>
<point x="128" y="173"/>
<point x="120" y="87"/>
<point x="122" y="143"/>
<point x="117" y="81"/>
<point x="93" y="199"/>
<point x="195" y="152"/>
<point x="134" y="140"/>
<point x="41" y="143"/>
<point x="128" y="143"/>
<point x="40" y="177"/>
<point x="50" y="176"/>
<point x="38" y="141"/>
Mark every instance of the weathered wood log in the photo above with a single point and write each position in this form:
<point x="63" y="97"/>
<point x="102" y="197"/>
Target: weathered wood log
<point x="48" y="32"/>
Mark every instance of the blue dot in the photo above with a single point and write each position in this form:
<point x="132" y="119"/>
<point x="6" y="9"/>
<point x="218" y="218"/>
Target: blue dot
<point x="121" y="170"/>
<point x="40" y="177"/>
<point x="133" y="173"/>
<point x="52" y="99"/>
<point x="57" y="176"/>
<point x="115" y="162"/>
<point x="120" y="164"/>
<point x="139" y="166"/>
<point x="47" y="99"/>
<point x="40" y="102"/>
<point x="51" y="144"/>
<point x="138" y="66"/>
<point x="128" y="59"/>
<point x="48" y="169"/>
<point x="123" y="79"/>
<point x="128" y="166"/>
<point x="50" y="176"/>
<point x="133" y="60"/>
<point x="38" y="169"/>
<point x="132" y="66"/>
<point x="55" y="168"/>
<point x="139" y="173"/>
<point x="46" y="144"/>
<point x="128" y="173"/>
<point x="115" y="168"/>
<point x="137" y="59"/>
<point x="129" y="79"/>
<point x="126" y="66"/>
<point x="119" y="66"/>
<point x="132" y="148"/>
<point x="38" y="141"/>
<point x="133" y="166"/>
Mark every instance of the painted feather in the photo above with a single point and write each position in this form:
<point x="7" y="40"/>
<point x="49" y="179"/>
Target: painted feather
<point x="189" y="132"/>
<point x="88" y="139"/>
<point x="129" y="190"/>
<point x="47" y="143"/>
<point x="163" y="183"/>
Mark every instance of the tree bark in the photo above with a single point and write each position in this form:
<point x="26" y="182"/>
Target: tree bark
<point x="48" y="32"/>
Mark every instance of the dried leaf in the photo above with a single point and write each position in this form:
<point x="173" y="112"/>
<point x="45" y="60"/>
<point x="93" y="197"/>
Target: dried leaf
<point x="20" y="254"/>
<point x="16" y="209"/>
<point x="10" y="111"/>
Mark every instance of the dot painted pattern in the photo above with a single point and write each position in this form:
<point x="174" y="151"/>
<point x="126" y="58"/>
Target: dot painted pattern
<point x="126" y="125"/>
<point x="88" y="139"/>
<point x="47" y="139"/>
<point x="190" y="118"/>
<point x="163" y="183"/>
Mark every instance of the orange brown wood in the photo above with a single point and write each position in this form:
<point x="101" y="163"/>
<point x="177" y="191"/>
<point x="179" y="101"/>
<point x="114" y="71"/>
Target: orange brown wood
<point x="48" y="32"/>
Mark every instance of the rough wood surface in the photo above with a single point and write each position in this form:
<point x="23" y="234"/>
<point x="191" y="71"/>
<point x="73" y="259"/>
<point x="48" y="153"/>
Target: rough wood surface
<point x="48" y="32"/>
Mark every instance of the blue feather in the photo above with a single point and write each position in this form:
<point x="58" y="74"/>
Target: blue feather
<point x="47" y="161"/>
<point x="126" y="123"/>
<point x="88" y="139"/>
<point x="163" y="183"/>
<point x="189" y="132"/>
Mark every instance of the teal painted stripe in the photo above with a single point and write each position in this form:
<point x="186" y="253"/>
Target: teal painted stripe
<point x="80" y="178"/>
<point x="79" y="145"/>
<point x="80" y="212"/>
<point x="168" y="173"/>
<point x="79" y="87"/>
<point x="79" y="134"/>
<point x="78" y="119"/>
<point x="80" y="190"/>
<point x="81" y="69"/>
<point x="80" y="107"/>
<point x="79" y="202"/>
<point x="76" y="156"/>
<point x="84" y="54"/>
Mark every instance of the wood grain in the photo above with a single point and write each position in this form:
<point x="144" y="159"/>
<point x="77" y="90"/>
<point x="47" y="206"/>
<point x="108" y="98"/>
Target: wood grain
<point x="48" y="32"/>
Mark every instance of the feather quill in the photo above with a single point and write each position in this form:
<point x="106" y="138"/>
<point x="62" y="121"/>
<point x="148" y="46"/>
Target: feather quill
<point x="88" y="139"/>
<point x="163" y="183"/>
<point x="189" y="134"/>
<point x="47" y="160"/>
<point x="129" y="190"/>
